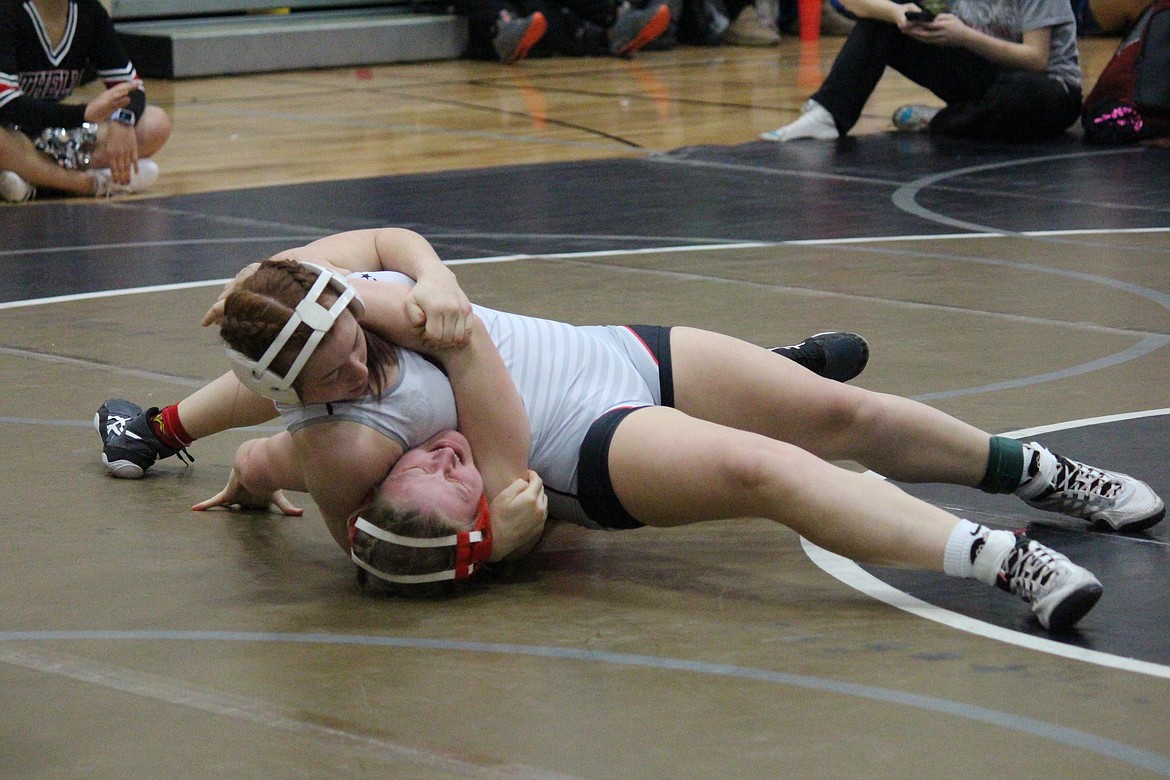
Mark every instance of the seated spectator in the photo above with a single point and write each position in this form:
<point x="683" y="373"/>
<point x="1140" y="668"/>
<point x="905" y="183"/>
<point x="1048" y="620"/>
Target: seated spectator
<point x="507" y="32"/>
<point x="1007" y="71"/>
<point x="105" y="145"/>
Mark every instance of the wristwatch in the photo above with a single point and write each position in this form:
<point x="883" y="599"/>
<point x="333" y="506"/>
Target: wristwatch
<point x="123" y="116"/>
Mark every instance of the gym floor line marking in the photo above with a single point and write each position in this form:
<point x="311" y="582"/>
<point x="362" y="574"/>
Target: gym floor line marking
<point x="1071" y="737"/>
<point x="905" y="198"/>
<point x="1148" y="344"/>
<point x="705" y="243"/>
<point x="257" y="712"/>
<point x="850" y="573"/>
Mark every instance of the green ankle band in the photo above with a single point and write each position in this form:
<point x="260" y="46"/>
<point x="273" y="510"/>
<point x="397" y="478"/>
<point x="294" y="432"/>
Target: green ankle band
<point x="1005" y="466"/>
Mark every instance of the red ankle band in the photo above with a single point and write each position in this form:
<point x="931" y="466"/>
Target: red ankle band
<point x="169" y="429"/>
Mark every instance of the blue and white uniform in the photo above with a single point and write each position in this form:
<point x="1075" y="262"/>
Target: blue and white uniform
<point x="567" y="376"/>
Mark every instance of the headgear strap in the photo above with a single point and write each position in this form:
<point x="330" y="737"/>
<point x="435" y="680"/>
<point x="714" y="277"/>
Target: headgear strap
<point x="257" y="374"/>
<point x="472" y="548"/>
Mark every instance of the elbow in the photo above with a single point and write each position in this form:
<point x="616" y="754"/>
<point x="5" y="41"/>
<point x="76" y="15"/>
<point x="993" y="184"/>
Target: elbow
<point x="248" y="466"/>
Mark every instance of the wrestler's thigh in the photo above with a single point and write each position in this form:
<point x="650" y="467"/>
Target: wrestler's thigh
<point x="671" y="469"/>
<point x="729" y="381"/>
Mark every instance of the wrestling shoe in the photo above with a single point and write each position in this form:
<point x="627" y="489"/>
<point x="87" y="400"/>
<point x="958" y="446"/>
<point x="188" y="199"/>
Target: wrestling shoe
<point x="514" y="37"/>
<point x="1107" y="499"/>
<point x="636" y="27"/>
<point x="838" y="355"/>
<point x="14" y="189"/>
<point x="913" y="118"/>
<point x="1059" y="591"/>
<point x="141" y="180"/>
<point x="129" y="446"/>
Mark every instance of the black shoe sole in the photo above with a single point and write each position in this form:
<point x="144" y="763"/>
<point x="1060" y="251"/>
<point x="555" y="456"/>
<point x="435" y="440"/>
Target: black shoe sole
<point x="1134" y="527"/>
<point x="1074" y="607"/>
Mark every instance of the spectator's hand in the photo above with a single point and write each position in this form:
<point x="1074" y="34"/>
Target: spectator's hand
<point x="518" y="516"/>
<point x="99" y="109"/>
<point x="214" y="315"/>
<point x="440" y="310"/>
<point x="120" y="151"/>
<point x="235" y="494"/>
<point x="944" y="30"/>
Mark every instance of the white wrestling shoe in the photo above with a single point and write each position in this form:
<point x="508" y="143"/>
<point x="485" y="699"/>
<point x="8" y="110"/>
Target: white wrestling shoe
<point x="1059" y="591"/>
<point x="1107" y="499"/>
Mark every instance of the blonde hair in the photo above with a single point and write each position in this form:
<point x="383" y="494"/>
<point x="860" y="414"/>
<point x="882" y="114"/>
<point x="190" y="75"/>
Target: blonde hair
<point x="400" y="559"/>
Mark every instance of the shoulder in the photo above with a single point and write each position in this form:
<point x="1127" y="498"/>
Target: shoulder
<point x="347" y="448"/>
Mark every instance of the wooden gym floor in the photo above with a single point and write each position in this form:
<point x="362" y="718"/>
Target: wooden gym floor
<point x="1024" y="289"/>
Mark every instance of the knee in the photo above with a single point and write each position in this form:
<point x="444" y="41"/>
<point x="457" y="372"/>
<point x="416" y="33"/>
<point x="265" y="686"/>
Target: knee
<point x="154" y="130"/>
<point x="848" y="419"/>
<point x="758" y="477"/>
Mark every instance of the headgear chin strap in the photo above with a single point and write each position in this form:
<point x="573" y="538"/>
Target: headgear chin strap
<point x="256" y="374"/>
<point x="472" y="548"/>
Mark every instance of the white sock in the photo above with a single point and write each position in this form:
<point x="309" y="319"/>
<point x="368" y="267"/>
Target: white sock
<point x="990" y="556"/>
<point x="957" y="559"/>
<point x="815" y="122"/>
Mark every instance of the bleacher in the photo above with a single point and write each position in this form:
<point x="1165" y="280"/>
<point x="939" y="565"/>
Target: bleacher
<point x="177" y="39"/>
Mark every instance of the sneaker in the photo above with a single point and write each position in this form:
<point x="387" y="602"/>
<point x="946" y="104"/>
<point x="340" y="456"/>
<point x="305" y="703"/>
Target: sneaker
<point x="751" y="28"/>
<point x="815" y="122"/>
<point x="1107" y="499"/>
<point x="1060" y="592"/>
<point x="914" y="118"/>
<point x="636" y="27"/>
<point x="515" y="37"/>
<point x="141" y="180"/>
<point x="15" y="189"/>
<point x="838" y="355"/>
<point x="129" y="446"/>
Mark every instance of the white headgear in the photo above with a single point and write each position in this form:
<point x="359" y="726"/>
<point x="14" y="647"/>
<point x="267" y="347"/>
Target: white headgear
<point x="472" y="548"/>
<point x="256" y="374"/>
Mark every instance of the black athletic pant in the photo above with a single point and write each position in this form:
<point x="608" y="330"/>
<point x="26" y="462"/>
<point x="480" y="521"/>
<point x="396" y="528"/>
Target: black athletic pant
<point x="984" y="101"/>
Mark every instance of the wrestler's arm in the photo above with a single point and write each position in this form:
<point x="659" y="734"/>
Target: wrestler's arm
<point x="493" y="418"/>
<point x="436" y="303"/>
<point x="338" y="463"/>
<point x="342" y="463"/>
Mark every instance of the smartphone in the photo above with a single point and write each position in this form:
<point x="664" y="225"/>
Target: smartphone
<point x="919" y="16"/>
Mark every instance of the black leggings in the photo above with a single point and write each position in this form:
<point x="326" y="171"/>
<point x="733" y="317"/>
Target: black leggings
<point x="984" y="101"/>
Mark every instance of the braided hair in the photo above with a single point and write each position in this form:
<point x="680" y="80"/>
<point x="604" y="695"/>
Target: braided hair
<point x="260" y="306"/>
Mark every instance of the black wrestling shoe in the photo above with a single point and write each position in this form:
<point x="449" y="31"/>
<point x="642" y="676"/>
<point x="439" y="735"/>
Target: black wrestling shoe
<point x="129" y="446"/>
<point x="838" y="355"/>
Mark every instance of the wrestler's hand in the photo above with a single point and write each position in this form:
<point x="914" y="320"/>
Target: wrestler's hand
<point x="518" y="513"/>
<point x="440" y="310"/>
<point x="214" y="315"/>
<point x="235" y="494"/>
